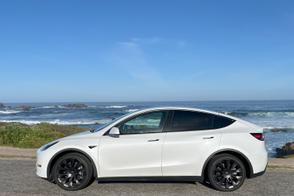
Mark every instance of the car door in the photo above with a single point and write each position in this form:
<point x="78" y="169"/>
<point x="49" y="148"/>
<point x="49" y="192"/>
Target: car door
<point x="189" y="139"/>
<point x="138" y="149"/>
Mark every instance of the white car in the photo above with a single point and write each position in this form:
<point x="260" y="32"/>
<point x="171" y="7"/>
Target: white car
<point x="167" y="143"/>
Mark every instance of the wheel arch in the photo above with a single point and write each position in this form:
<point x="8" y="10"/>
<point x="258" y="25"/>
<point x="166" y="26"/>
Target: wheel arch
<point x="238" y="154"/>
<point x="66" y="151"/>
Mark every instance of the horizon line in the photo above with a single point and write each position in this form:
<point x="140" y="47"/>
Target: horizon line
<point x="150" y="101"/>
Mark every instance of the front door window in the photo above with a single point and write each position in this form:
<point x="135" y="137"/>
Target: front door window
<point x="146" y="123"/>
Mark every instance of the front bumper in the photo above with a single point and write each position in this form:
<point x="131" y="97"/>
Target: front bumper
<point x="42" y="163"/>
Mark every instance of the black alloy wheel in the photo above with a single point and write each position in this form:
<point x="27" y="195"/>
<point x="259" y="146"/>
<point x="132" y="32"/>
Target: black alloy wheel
<point x="226" y="172"/>
<point x="72" y="172"/>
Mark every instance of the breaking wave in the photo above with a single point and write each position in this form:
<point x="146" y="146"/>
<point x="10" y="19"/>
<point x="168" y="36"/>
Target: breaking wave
<point x="261" y="113"/>
<point x="278" y="129"/>
<point x="60" y="122"/>
<point x="9" y="112"/>
<point x="50" y="107"/>
<point x="132" y="110"/>
<point x="116" y="106"/>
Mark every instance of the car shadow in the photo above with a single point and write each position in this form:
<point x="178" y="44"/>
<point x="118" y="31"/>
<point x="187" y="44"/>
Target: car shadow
<point x="206" y="184"/>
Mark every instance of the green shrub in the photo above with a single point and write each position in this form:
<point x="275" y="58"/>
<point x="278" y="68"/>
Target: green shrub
<point x="33" y="136"/>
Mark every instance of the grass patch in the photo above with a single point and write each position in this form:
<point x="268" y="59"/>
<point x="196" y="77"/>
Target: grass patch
<point x="33" y="136"/>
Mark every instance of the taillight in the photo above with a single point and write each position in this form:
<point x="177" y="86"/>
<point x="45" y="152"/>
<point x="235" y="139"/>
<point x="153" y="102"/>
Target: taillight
<point x="258" y="136"/>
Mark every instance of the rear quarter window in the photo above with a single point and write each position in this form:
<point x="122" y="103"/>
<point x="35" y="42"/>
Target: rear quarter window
<point x="221" y="122"/>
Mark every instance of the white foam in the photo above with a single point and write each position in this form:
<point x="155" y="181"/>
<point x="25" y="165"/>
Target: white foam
<point x="116" y="106"/>
<point x="132" y="110"/>
<point x="9" y="112"/>
<point x="48" y="107"/>
<point x="60" y="122"/>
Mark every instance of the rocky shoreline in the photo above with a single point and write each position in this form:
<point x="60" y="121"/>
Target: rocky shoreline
<point x="286" y="150"/>
<point x="26" y="108"/>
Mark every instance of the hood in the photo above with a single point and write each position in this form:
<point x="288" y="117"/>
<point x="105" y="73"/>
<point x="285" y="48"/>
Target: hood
<point x="85" y="134"/>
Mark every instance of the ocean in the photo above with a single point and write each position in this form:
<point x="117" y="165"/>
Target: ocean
<point x="277" y="117"/>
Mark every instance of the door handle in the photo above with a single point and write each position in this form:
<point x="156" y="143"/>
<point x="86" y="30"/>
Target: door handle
<point x="206" y="138"/>
<point x="155" y="140"/>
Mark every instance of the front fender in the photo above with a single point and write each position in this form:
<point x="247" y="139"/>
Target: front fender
<point x="87" y="154"/>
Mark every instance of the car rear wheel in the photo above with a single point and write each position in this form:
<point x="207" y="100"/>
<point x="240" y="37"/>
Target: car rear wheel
<point x="226" y="172"/>
<point x="72" y="172"/>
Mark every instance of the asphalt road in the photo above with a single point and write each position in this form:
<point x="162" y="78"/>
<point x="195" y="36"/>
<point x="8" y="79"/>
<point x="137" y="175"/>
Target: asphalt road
<point x="17" y="177"/>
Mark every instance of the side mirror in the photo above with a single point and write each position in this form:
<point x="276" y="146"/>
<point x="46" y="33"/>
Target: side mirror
<point x="114" y="132"/>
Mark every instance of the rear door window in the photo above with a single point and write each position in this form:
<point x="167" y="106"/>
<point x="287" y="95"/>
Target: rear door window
<point x="190" y="120"/>
<point x="187" y="120"/>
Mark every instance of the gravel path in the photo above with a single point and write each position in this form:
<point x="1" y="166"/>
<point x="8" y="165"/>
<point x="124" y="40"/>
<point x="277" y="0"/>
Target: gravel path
<point x="11" y="152"/>
<point x="17" y="177"/>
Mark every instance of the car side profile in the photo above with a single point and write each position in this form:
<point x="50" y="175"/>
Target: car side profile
<point x="166" y="143"/>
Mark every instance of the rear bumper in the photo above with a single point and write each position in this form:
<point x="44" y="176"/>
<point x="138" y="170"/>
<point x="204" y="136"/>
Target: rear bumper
<point x="257" y="174"/>
<point x="260" y="173"/>
<point x="259" y="161"/>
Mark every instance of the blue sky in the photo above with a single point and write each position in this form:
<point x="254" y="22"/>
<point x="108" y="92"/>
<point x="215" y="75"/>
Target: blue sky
<point x="146" y="50"/>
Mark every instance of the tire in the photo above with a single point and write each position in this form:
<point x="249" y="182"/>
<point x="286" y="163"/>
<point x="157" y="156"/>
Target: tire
<point x="226" y="172"/>
<point x="72" y="171"/>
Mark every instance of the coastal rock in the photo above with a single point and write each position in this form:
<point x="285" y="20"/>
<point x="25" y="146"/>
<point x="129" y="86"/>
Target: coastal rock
<point x="2" y="106"/>
<point x="24" y="107"/>
<point x="75" y="105"/>
<point x="277" y="129"/>
<point x="287" y="149"/>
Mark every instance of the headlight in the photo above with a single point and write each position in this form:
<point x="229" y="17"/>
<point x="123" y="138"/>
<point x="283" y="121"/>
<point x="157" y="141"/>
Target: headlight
<point x="49" y="145"/>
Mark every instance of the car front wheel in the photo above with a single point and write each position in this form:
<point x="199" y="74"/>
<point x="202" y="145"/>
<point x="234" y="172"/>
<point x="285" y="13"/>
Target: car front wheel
<point x="72" y="172"/>
<point x="226" y="172"/>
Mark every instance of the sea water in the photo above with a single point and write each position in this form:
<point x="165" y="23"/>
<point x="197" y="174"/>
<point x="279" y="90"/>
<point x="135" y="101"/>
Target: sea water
<point x="277" y="117"/>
